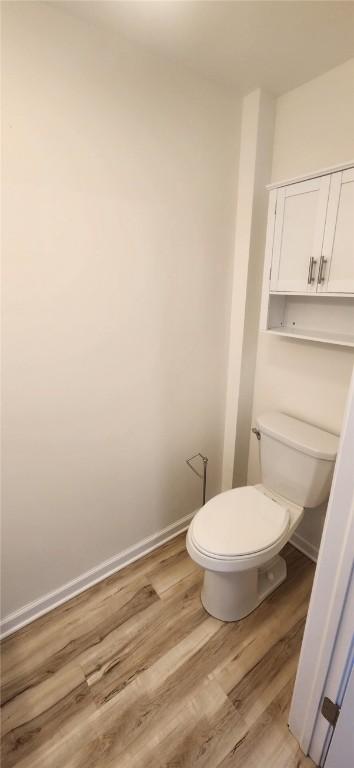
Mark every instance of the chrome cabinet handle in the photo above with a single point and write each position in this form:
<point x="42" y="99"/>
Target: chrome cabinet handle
<point x="310" y="277"/>
<point x="321" y="277"/>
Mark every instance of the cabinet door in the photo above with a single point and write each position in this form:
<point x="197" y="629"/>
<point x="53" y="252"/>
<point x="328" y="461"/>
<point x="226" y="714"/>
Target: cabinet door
<point x="298" y="235"/>
<point x="336" y="274"/>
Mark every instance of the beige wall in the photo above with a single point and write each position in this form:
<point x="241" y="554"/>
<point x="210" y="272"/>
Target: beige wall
<point x="119" y="194"/>
<point x="257" y="123"/>
<point x="314" y="128"/>
<point x="314" y="125"/>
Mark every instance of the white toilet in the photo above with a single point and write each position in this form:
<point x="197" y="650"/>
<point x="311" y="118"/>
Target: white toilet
<point x="237" y="535"/>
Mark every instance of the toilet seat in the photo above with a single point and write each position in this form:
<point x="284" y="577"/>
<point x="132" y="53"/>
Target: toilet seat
<point x="239" y="524"/>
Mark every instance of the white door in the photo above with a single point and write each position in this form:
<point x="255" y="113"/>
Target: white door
<point x="341" y="750"/>
<point x="298" y="235"/>
<point x="336" y="274"/>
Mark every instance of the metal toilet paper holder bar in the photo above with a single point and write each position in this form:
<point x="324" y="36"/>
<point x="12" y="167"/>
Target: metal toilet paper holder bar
<point x="203" y="475"/>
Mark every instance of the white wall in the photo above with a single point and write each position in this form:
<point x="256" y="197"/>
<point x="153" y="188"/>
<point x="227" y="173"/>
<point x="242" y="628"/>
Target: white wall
<point x="314" y="128"/>
<point x="119" y="193"/>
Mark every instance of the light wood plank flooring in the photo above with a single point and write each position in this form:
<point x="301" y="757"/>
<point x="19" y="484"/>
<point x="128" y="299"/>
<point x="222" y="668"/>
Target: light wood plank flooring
<point x="133" y="673"/>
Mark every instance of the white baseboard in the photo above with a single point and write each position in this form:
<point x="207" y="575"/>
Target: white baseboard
<point x="304" y="546"/>
<point x="42" y="605"/>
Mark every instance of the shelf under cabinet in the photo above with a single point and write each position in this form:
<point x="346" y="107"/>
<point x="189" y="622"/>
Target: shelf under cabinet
<point x="328" y="337"/>
<point x="323" y="318"/>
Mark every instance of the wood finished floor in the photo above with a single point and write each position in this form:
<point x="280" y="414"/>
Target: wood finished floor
<point x="133" y="673"/>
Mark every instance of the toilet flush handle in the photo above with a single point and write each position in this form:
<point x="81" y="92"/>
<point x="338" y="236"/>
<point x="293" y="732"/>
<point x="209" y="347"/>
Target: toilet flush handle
<point x="256" y="432"/>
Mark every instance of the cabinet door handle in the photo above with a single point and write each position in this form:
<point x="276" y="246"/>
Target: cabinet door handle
<point x="310" y="277"/>
<point x="321" y="277"/>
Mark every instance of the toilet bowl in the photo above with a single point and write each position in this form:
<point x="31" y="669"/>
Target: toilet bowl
<point x="237" y="536"/>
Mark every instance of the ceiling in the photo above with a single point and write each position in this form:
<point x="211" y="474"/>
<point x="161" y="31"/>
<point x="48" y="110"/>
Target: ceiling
<point x="274" y="45"/>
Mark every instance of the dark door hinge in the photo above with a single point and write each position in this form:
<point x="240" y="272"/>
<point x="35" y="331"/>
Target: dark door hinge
<point x="330" y="711"/>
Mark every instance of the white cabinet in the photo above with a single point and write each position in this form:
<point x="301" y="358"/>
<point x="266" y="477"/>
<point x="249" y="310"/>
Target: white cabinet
<point x="308" y="287"/>
<point x="298" y="234"/>
<point x="336" y="273"/>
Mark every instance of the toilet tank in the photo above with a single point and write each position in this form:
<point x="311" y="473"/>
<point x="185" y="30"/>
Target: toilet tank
<point x="297" y="459"/>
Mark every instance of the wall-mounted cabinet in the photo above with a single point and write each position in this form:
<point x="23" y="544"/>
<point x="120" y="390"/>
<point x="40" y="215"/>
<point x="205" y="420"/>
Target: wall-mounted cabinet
<point x="337" y="272"/>
<point x="308" y="288"/>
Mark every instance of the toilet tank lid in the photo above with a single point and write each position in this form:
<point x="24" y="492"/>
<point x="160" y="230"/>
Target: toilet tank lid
<point x="299" y="434"/>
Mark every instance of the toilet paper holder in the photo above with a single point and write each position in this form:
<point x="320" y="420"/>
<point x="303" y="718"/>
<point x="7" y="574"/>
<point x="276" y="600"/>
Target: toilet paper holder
<point x="203" y="475"/>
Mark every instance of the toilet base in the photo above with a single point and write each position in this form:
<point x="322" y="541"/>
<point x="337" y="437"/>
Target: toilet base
<point x="232" y="596"/>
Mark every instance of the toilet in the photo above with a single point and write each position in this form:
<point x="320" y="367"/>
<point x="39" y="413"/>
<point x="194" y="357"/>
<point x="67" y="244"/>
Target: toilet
<point x="237" y="535"/>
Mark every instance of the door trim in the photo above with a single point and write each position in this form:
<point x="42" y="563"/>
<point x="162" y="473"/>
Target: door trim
<point x="329" y="593"/>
